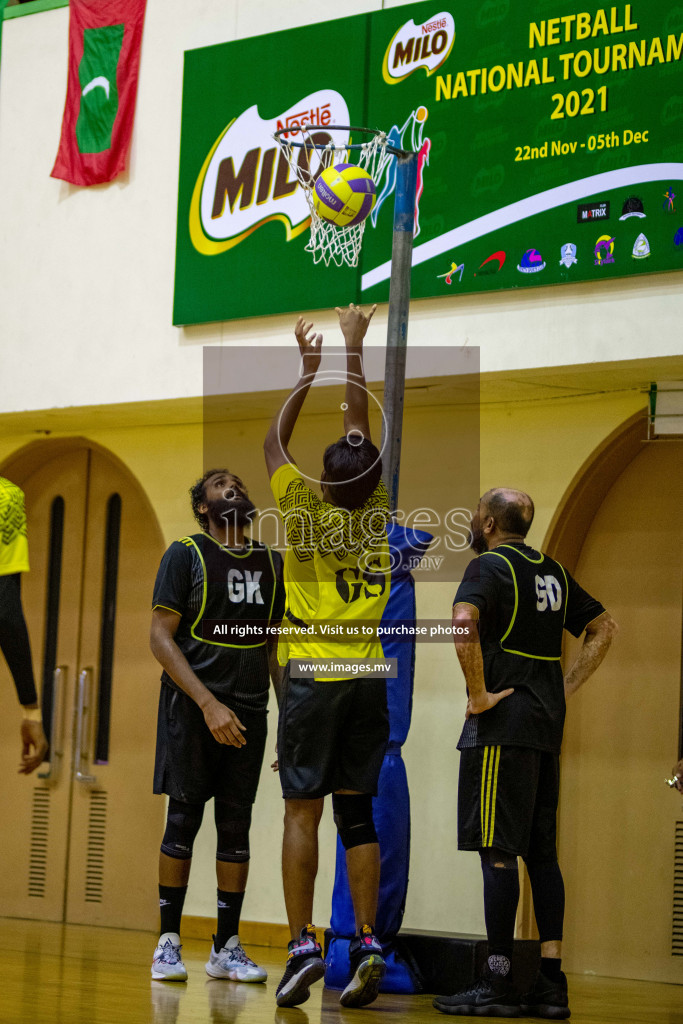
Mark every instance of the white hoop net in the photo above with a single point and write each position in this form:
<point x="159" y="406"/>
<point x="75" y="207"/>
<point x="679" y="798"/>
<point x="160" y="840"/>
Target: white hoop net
<point x="328" y="242"/>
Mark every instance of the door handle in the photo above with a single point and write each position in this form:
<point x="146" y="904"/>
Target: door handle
<point x="56" y="726"/>
<point x="82" y="716"/>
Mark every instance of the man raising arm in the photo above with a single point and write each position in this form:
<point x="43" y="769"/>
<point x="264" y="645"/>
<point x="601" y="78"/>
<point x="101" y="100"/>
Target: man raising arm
<point x="332" y="732"/>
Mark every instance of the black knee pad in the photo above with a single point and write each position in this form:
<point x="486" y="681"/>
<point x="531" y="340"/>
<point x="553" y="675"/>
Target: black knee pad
<point x="232" y="832"/>
<point x="182" y="825"/>
<point x="493" y="858"/>
<point x="353" y="818"/>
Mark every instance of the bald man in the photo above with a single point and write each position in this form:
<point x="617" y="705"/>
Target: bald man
<point x="514" y="602"/>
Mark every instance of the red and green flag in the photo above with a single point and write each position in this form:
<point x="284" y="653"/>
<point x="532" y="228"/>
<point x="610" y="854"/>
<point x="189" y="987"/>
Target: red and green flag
<point x="105" y="37"/>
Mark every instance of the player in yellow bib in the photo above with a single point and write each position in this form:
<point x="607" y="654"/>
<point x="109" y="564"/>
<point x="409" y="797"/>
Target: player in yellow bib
<point x="14" y="640"/>
<point x="333" y="722"/>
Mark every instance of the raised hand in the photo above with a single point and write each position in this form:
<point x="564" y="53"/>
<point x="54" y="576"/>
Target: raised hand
<point x="354" y="324"/>
<point x="310" y="345"/>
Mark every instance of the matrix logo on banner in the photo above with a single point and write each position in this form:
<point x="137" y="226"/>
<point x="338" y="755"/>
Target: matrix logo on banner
<point x="532" y="127"/>
<point x="245" y="180"/>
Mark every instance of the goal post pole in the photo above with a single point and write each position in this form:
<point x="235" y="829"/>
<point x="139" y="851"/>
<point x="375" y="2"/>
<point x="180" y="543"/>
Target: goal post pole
<point x="397" y="326"/>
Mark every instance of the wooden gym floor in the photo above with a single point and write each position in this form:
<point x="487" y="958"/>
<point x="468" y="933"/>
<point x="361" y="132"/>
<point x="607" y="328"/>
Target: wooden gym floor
<point x="69" y="974"/>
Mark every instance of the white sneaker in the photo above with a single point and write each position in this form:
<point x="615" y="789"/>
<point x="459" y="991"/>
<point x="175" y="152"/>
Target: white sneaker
<point x="233" y="963"/>
<point x="167" y="964"/>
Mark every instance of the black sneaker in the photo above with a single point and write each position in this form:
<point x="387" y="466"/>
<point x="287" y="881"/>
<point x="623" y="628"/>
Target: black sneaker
<point x="491" y="996"/>
<point x="305" y="965"/>
<point x="547" y="998"/>
<point x="367" y="967"/>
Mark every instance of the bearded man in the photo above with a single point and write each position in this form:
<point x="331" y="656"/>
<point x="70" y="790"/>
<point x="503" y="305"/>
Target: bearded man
<point x="218" y="594"/>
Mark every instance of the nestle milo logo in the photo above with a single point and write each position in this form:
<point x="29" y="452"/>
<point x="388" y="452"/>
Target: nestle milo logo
<point x="245" y="181"/>
<point x="419" y="46"/>
<point x="673" y="23"/>
<point x="673" y="110"/>
<point x="491" y="12"/>
<point x="488" y="179"/>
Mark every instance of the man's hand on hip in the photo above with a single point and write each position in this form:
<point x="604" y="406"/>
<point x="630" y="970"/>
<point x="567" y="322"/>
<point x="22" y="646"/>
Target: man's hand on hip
<point x="485" y="701"/>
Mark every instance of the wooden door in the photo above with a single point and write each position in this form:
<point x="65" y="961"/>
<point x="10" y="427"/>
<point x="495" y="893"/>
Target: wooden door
<point x="85" y="836"/>
<point x="36" y="810"/>
<point x="619" y="823"/>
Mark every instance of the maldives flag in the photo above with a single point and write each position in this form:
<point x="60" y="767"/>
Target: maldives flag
<point x="104" y="56"/>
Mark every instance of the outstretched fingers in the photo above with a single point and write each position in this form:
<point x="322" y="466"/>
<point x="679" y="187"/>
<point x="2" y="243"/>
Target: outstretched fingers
<point x="301" y="329"/>
<point x="306" y="336"/>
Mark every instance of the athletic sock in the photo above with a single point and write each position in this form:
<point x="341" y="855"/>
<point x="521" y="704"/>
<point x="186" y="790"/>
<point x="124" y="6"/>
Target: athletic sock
<point x="551" y="967"/>
<point x="171" y="901"/>
<point x="229" y="910"/>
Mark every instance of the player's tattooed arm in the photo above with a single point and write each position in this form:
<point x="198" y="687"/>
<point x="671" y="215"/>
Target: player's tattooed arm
<point x="354" y="325"/>
<point x="596" y="643"/>
<point x="472" y="662"/>
<point x="277" y="440"/>
<point x="224" y="725"/>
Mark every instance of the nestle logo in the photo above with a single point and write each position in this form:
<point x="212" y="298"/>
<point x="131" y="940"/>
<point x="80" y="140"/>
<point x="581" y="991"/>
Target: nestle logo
<point x="587" y="213"/>
<point x="433" y="26"/>
<point x="426" y="45"/>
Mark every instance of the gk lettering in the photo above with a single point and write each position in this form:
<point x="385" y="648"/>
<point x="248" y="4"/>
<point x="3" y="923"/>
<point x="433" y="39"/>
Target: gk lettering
<point x="549" y="594"/>
<point x="244" y="587"/>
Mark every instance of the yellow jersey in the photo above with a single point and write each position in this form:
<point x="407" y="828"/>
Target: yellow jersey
<point x="337" y="569"/>
<point x="13" y="539"/>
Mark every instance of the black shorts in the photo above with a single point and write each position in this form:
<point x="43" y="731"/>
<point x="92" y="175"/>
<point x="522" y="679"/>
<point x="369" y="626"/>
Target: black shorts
<point x="331" y="735"/>
<point x="193" y="767"/>
<point x="507" y="799"/>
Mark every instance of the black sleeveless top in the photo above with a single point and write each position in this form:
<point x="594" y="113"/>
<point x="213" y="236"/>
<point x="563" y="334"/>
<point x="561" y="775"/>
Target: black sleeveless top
<point x="225" y="598"/>
<point x="525" y="600"/>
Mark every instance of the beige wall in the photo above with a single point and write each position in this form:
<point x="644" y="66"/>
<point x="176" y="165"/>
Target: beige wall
<point x="89" y="276"/>
<point x="88" y="273"/>
<point x="538" y="446"/>
<point x="617" y="820"/>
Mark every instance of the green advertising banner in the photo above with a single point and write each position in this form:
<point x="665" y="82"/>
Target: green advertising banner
<point x="549" y="146"/>
<point x="3" y="4"/>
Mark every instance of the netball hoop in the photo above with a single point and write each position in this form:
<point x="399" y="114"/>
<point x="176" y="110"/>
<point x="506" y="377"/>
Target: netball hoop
<point x="312" y="151"/>
<point x="309" y="149"/>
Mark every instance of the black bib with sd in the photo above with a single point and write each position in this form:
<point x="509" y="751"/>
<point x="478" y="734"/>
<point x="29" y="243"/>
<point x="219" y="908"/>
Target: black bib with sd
<point x="523" y="651"/>
<point x="540" y="604"/>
